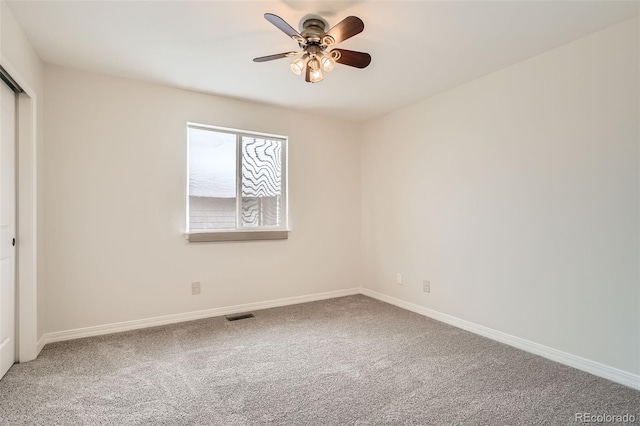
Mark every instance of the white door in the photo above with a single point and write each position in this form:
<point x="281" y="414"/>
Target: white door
<point x="7" y="228"/>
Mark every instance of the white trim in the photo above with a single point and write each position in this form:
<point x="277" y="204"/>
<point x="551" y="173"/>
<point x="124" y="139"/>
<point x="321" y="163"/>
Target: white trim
<point x="249" y="235"/>
<point x="40" y="345"/>
<point x="98" y="330"/>
<point x="593" y="367"/>
<point x="26" y="232"/>
<point x="238" y="183"/>
<point x="236" y="131"/>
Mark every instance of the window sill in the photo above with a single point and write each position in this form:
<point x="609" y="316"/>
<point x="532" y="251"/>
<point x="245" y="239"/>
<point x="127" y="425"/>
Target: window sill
<point x="210" y="237"/>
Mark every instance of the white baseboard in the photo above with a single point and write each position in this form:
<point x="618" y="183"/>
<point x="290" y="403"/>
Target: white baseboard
<point x="593" y="367"/>
<point x="40" y="345"/>
<point x="98" y="330"/>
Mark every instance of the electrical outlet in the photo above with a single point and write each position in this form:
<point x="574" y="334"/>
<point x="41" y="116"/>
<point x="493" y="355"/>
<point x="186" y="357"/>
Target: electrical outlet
<point x="399" y="278"/>
<point x="426" y="286"/>
<point x="195" y="288"/>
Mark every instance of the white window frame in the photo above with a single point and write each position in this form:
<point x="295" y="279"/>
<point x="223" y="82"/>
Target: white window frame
<point x="242" y="233"/>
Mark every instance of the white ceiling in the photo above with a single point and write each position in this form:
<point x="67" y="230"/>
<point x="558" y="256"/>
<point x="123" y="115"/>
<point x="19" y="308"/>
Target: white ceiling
<point x="419" y="48"/>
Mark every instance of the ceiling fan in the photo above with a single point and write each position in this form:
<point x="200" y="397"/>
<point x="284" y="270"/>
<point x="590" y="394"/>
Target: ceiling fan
<point x="315" y="44"/>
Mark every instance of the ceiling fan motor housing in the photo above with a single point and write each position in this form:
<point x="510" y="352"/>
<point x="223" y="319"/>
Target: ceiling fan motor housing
<point x="313" y="30"/>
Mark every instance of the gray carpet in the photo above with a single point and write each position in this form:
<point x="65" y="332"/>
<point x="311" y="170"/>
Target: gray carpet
<point x="352" y="360"/>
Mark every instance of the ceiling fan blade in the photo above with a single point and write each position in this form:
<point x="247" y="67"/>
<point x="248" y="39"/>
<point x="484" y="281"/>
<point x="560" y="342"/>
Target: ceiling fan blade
<point x="276" y="56"/>
<point x="307" y="74"/>
<point x="353" y="59"/>
<point x="282" y="25"/>
<point x="347" y="28"/>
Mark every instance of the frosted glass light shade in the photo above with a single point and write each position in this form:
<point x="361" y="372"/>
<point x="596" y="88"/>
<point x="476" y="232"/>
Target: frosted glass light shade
<point x="316" y="76"/>
<point x="297" y="66"/>
<point x="328" y="63"/>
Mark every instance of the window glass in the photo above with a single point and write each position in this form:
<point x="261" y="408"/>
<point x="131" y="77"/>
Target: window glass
<point x="212" y="180"/>
<point x="261" y="182"/>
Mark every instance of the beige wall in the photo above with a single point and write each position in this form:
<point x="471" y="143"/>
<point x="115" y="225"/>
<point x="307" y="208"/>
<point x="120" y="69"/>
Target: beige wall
<point x="115" y="204"/>
<point x="517" y="196"/>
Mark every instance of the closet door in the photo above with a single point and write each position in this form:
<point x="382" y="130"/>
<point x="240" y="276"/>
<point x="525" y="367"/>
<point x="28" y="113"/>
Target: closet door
<point x="7" y="228"/>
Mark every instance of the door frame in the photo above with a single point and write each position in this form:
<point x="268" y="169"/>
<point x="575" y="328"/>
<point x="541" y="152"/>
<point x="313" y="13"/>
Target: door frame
<point x="27" y="344"/>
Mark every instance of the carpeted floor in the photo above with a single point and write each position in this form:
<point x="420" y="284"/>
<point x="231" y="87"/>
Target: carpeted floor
<point x="352" y="360"/>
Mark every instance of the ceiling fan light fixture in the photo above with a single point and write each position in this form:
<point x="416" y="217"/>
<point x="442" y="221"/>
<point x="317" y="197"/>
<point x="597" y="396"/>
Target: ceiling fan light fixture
<point x="314" y="64"/>
<point x="328" y="63"/>
<point x="297" y="66"/>
<point x="316" y="76"/>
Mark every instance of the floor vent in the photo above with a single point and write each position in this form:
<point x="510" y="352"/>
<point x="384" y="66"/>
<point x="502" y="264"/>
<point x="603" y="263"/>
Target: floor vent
<point x="240" y="317"/>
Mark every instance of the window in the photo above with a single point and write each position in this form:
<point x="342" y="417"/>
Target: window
<point x="236" y="185"/>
